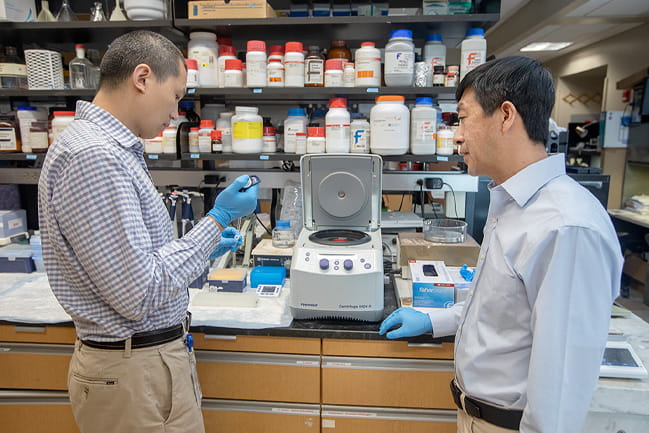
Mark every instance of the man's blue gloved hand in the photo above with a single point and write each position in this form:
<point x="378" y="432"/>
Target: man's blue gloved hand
<point x="412" y="323"/>
<point x="230" y="240"/>
<point x="231" y="204"/>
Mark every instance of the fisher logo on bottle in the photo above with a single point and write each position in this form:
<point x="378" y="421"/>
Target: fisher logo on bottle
<point x="474" y="59"/>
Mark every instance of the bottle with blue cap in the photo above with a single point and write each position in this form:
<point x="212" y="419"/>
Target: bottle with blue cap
<point x="283" y="236"/>
<point x="473" y="51"/>
<point x="400" y="59"/>
<point x="435" y="50"/>
<point x="296" y="121"/>
<point x="423" y="127"/>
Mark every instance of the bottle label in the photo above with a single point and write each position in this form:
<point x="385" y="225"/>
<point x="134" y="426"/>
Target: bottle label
<point x="314" y="72"/>
<point x="256" y="73"/>
<point x="424" y="130"/>
<point x="275" y="76"/>
<point x="8" y="139"/>
<point x="337" y="131"/>
<point x="243" y="130"/>
<point x="204" y="142"/>
<point x="399" y="62"/>
<point x="388" y="125"/>
<point x="474" y="59"/>
<point x="15" y="69"/>
<point x="217" y="146"/>
<point x="233" y="79"/>
<point x="360" y="141"/>
<point x="368" y="68"/>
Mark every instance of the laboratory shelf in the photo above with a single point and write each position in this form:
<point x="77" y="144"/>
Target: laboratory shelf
<point x="53" y="33"/>
<point x="353" y="29"/>
<point x="47" y="93"/>
<point x="161" y="156"/>
<point x="22" y="156"/>
<point x="280" y="156"/>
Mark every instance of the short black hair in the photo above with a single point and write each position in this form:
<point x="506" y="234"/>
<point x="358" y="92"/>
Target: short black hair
<point x="135" y="48"/>
<point x="523" y="81"/>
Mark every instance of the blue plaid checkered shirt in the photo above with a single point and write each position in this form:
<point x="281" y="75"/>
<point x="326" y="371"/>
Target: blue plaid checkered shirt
<point x="108" y="248"/>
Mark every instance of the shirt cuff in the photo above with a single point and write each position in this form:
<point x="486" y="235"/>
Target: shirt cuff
<point x="206" y="234"/>
<point x="444" y="322"/>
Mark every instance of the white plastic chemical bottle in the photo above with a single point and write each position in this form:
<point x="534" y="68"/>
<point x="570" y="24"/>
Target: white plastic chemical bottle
<point x="256" y="64"/>
<point x="473" y="51"/>
<point x="275" y="73"/>
<point x="400" y="59"/>
<point x="390" y="126"/>
<point x="435" y="50"/>
<point x="360" y="135"/>
<point x="233" y="76"/>
<point x="247" y="130"/>
<point x="203" y="48"/>
<point x="224" y="124"/>
<point x="368" y="65"/>
<point x="226" y="52"/>
<point x="337" y="123"/>
<point x="294" y="65"/>
<point x="423" y="127"/>
<point x="295" y="122"/>
<point x="333" y="73"/>
<point x="445" y="144"/>
<point x="349" y="75"/>
<point x="205" y="136"/>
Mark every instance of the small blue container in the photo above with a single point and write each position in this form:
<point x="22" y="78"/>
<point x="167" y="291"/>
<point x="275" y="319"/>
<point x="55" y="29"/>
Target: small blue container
<point x="267" y="275"/>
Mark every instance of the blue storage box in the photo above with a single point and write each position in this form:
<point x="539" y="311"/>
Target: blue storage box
<point x="267" y="275"/>
<point x="12" y="222"/>
<point x="16" y="258"/>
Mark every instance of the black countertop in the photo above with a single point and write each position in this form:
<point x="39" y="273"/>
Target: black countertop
<point x="342" y="329"/>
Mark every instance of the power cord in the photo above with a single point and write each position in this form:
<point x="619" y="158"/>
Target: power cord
<point x="457" y="215"/>
<point x="263" y="225"/>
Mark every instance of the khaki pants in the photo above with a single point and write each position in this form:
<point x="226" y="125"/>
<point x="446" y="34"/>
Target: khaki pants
<point x="141" y="390"/>
<point x="468" y="424"/>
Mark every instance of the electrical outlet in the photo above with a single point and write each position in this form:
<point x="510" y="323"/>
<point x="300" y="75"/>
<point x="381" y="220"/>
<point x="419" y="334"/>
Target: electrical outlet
<point x="434" y="182"/>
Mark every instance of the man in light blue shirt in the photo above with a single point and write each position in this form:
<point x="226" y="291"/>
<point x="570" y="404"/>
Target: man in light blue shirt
<point x="530" y="336"/>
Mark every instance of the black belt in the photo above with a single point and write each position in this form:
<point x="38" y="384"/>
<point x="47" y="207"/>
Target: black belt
<point x="498" y="416"/>
<point x="141" y="339"/>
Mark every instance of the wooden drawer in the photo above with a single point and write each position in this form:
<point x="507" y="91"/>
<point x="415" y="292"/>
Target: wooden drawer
<point x="38" y="334"/>
<point x="222" y="416"/>
<point x="34" y="366"/>
<point x="34" y="411"/>
<point x="259" y="376"/>
<point x="387" y="382"/>
<point x="354" y="419"/>
<point x="385" y="348"/>
<point x="256" y="343"/>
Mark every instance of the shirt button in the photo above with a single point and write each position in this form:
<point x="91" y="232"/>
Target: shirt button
<point x="494" y="220"/>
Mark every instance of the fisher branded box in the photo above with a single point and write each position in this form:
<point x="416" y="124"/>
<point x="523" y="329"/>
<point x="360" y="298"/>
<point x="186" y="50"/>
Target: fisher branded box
<point x="229" y="9"/>
<point x="432" y="285"/>
<point x="17" y="10"/>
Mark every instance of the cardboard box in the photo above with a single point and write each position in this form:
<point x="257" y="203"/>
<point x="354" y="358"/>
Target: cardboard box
<point x="219" y="9"/>
<point x="413" y="246"/>
<point x="12" y="222"/>
<point x="228" y="280"/>
<point x="432" y="285"/>
<point x="17" y="10"/>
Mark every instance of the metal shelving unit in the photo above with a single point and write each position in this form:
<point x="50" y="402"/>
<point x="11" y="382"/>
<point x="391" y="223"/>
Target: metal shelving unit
<point x="280" y="156"/>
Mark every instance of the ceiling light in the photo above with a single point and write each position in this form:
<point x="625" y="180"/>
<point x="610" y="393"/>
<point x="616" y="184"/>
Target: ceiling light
<point x="545" y="46"/>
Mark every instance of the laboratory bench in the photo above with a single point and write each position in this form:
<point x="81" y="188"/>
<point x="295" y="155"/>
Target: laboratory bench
<point x="310" y="376"/>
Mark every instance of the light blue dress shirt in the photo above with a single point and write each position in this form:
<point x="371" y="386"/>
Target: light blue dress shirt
<point x="531" y="333"/>
<point x="108" y="247"/>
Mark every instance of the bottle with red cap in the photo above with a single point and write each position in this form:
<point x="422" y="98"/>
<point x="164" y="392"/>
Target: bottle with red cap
<point x="217" y="143"/>
<point x="269" y="137"/>
<point x="256" y="64"/>
<point x="315" y="143"/>
<point x="275" y="73"/>
<point x="192" y="73"/>
<point x="226" y="52"/>
<point x="276" y="52"/>
<point x="205" y="136"/>
<point x="233" y="77"/>
<point x="337" y="123"/>
<point x="294" y="65"/>
<point x="334" y="73"/>
<point x="368" y="65"/>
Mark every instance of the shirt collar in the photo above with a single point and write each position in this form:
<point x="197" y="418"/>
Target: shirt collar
<point x="109" y="123"/>
<point x="523" y="185"/>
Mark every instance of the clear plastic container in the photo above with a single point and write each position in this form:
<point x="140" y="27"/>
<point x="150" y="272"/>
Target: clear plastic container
<point x="390" y="126"/>
<point x="80" y="70"/>
<point x="447" y="231"/>
<point x="400" y="59"/>
<point x="247" y="130"/>
<point x="283" y="236"/>
<point x="203" y="48"/>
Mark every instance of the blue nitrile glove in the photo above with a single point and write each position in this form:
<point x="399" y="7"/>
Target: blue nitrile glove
<point x="230" y="241"/>
<point x="412" y="323"/>
<point x="231" y="204"/>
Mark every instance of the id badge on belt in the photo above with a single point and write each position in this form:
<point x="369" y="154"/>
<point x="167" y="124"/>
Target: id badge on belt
<point x="189" y="342"/>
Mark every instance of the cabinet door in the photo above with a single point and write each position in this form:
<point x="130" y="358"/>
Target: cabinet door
<point x="348" y="419"/>
<point x="38" y="334"/>
<point x="259" y="376"/>
<point x="34" y="366"/>
<point x="387" y="382"/>
<point x="385" y="348"/>
<point x="223" y="416"/>
<point x="36" y="411"/>
<point x="257" y="343"/>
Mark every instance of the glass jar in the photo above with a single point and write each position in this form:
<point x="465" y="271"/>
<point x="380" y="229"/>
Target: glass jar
<point x="339" y="50"/>
<point x="283" y="236"/>
<point x="13" y="71"/>
<point x="314" y="68"/>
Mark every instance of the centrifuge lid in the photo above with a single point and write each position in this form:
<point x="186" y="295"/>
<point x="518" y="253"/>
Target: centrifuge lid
<point x="341" y="191"/>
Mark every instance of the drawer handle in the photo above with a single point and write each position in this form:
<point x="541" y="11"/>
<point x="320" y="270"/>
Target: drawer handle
<point x="220" y="337"/>
<point x="38" y="329"/>
<point x="424" y="345"/>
